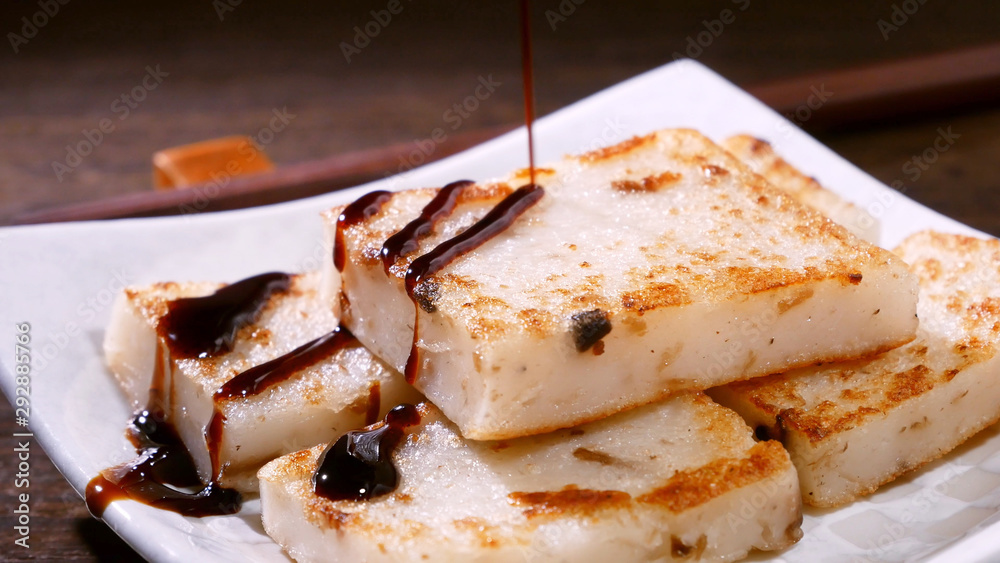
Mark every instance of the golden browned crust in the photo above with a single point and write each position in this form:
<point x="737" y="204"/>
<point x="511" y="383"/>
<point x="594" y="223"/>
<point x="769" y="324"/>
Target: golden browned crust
<point x="485" y="192"/>
<point x="768" y="164"/>
<point x="751" y="279"/>
<point x="711" y="171"/>
<point x="650" y="183"/>
<point x="687" y="489"/>
<point x="524" y="174"/>
<point x="293" y="466"/>
<point x="153" y="301"/>
<point x="325" y="516"/>
<point x="654" y="296"/>
<point x="536" y="321"/>
<point x="620" y="149"/>
<point x="760" y="157"/>
<point x="488" y="536"/>
<point x="571" y="501"/>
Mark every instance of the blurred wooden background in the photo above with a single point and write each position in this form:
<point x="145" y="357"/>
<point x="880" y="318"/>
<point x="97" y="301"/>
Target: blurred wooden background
<point x="226" y="66"/>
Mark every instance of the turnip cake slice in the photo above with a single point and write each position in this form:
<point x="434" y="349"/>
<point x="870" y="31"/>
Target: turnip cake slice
<point x="678" y="480"/>
<point x="854" y="426"/>
<point x="761" y="158"/>
<point x="656" y="265"/>
<point x="290" y="378"/>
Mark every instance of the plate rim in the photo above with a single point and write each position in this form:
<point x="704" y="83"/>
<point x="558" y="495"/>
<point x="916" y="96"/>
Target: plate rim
<point x="124" y="517"/>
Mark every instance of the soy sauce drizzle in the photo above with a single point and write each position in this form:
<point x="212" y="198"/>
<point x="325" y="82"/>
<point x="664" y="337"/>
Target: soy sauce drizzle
<point x="213" y="441"/>
<point x="157" y="384"/>
<point x="493" y="223"/>
<point x="407" y="239"/>
<point x="258" y="379"/>
<point x="528" y="81"/>
<point x="358" y="466"/>
<point x="413" y="360"/>
<point x="199" y="327"/>
<point x="163" y="475"/>
<point x="374" y="403"/>
<point x="361" y="210"/>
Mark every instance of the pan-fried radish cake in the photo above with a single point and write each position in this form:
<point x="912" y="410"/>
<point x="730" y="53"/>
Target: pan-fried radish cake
<point x="761" y="158"/>
<point x="678" y="480"/>
<point x="246" y="372"/>
<point x="628" y="273"/>
<point x="851" y="427"/>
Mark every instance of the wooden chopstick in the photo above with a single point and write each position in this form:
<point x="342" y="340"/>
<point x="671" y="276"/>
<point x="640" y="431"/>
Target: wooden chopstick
<point x="286" y="183"/>
<point x="834" y="99"/>
<point x="838" y="99"/>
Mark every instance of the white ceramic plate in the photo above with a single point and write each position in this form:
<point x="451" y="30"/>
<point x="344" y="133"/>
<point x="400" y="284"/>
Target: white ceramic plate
<point x="61" y="278"/>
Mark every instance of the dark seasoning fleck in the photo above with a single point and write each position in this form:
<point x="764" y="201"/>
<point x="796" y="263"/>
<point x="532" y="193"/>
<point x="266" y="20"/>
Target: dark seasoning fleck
<point x="588" y="328"/>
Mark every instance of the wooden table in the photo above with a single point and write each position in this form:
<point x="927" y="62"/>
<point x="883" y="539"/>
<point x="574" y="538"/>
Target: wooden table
<point x="228" y="75"/>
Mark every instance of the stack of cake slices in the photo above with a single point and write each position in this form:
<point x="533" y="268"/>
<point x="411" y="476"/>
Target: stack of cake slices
<point x="535" y="357"/>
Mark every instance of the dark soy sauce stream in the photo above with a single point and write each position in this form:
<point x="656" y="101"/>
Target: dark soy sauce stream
<point x="528" y="82"/>
<point x="164" y="475"/>
<point x="358" y="466"/>
<point x="498" y="219"/>
<point x="258" y="379"/>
